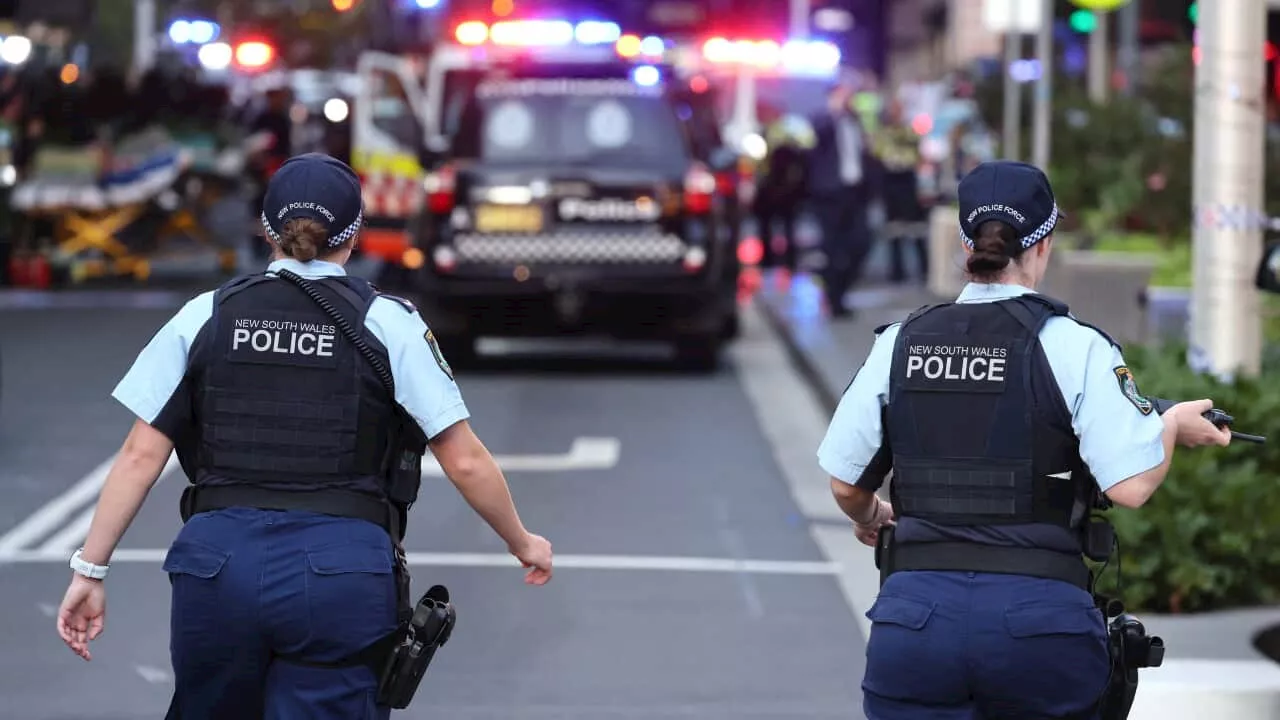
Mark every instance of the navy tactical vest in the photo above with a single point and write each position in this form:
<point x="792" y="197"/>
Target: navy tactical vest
<point x="282" y="399"/>
<point x="983" y="449"/>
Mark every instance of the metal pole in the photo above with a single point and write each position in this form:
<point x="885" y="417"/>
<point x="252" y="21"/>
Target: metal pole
<point x="799" y="19"/>
<point x="1012" y="90"/>
<point x="144" y="35"/>
<point x="1130" y="16"/>
<point x="1042" y="110"/>
<point x="1098" y="59"/>
<point x="1227" y="188"/>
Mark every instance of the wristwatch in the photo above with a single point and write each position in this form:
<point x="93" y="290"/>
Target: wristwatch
<point x="86" y="568"/>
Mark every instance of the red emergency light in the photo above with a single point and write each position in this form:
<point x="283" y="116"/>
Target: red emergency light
<point x="254" y="54"/>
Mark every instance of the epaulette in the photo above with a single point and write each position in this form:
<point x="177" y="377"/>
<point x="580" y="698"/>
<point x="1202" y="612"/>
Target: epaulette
<point x="1098" y="330"/>
<point x="886" y="326"/>
<point x="408" y="305"/>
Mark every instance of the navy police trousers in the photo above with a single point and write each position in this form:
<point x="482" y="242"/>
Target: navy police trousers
<point x="251" y="585"/>
<point x="970" y="646"/>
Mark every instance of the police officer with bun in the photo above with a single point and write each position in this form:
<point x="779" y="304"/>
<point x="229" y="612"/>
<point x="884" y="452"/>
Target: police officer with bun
<point x="300" y="402"/>
<point x="1001" y="417"/>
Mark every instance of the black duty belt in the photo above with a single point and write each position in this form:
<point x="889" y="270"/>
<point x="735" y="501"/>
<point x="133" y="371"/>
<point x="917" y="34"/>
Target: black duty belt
<point x="341" y="503"/>
<point x="975" y="557"/>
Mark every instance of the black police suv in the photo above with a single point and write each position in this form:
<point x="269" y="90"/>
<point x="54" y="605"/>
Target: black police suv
<point x="571" y="204"/>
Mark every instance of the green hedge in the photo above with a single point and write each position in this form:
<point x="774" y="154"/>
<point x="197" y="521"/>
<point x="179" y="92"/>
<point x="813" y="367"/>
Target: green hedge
<point x="1209" y="538"/>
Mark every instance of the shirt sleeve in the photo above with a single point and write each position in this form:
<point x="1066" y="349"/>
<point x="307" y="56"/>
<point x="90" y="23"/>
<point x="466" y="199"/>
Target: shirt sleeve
<point x="854" y="442"/>
<point x="424" y="382"/>
<point x="157" y="372"/>
<point x="1120" y="433"/>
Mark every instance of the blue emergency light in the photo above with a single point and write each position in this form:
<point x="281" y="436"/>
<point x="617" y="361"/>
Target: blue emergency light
<point x="594" y="32"/>
<point x="195" y="32"/>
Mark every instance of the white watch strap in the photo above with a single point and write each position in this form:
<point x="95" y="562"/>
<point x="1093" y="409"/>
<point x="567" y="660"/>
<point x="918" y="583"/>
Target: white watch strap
<point x="86" y="568"/>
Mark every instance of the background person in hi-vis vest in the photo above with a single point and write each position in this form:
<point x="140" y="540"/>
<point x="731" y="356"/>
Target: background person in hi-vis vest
<point x="1001" y="417"/>
<point x="300" y="401"/>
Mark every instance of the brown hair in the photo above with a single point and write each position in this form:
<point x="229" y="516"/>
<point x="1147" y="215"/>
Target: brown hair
<point x="303" y="239"/>
<point x="996" y="246"/>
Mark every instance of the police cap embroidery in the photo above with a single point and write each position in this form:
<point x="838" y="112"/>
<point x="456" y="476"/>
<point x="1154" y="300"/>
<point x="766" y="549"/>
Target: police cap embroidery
<point x="439" y="356"/>
<point x="1129" y="387"/>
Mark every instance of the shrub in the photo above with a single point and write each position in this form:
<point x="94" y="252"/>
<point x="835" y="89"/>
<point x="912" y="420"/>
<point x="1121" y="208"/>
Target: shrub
<point x="1209" y="538"/>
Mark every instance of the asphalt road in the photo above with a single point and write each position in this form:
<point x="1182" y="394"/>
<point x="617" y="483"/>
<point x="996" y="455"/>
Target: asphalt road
<point x="689" y="583"/>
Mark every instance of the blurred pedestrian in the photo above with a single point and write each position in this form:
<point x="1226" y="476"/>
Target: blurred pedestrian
<point x="780" y="191"/>
<point x="299" y="402"/>
<point x="897" y="149"/>
<point x="839" y="189"/>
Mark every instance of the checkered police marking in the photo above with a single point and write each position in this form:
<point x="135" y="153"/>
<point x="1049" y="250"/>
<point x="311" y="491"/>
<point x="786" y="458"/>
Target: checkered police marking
<point x="580" y="247"/>
<point x="1129" y="387"/>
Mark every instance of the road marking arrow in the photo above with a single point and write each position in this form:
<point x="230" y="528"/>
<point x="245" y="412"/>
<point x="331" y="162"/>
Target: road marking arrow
<point x="586" y="453"/>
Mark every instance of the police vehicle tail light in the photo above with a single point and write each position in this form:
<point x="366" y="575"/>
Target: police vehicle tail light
<point x="694" y="259"/>
<point x="699" y="187"/>
<point x="445" y="258"/>
<point x="439" y="188"/>
<point x="727" y="183"/>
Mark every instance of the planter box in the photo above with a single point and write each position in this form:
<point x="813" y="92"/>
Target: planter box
<point x="1106" y="289"/>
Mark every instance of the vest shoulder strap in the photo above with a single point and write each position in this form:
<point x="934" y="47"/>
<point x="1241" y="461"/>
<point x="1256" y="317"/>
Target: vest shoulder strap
<point x="359" y="293"/>
<point x="235" y="285"/>
<point x="1060" y="308"/>
<point x="919" y="312"/>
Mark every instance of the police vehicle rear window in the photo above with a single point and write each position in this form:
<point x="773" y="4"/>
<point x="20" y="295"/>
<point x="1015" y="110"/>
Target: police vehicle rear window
<point x="572" y="121"/>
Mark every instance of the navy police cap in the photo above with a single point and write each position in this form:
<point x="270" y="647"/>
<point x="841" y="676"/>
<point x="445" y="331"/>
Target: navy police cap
<point x="318" y="187"/>
<point x="1011" y="192"/>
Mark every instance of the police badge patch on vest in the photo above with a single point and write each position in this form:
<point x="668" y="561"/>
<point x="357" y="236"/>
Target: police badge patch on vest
<point x="283" y="339"/>
<point x="948" y="365"/>
<point x="1129" y="387"/>
<point x="435" y="350"/>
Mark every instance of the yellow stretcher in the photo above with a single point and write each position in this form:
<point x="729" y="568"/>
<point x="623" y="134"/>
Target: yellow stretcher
<point x="108" y="230"/>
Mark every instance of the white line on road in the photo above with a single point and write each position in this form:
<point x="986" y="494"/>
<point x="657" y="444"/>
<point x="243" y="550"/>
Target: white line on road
<point x="477" y="560"/>
<point x="154" y="675"/>
<point x="586" y="453"/>
<point x="72" y="535"/>
<point x="56" y="511"/>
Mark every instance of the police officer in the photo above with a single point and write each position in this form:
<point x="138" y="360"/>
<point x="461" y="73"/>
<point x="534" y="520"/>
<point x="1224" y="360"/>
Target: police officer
<point x="290" y="556"/>
<point x="1000" y="416"/>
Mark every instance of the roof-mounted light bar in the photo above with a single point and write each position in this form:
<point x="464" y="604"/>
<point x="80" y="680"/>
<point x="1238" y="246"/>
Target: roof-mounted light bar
<point x="798" y="56"/>
<point x="538" y="33"/>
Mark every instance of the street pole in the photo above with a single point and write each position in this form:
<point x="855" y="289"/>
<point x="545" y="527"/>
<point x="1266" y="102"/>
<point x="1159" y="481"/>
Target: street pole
<point x="1012" y="89"/>
<point x="144" y="35"/>
<point x="1227" y="189"/>
<point x="1098" y="48"/>
<point x="1129" y="39"/>
<point x="799" y="19"/>
<point x="1042" y="110"/>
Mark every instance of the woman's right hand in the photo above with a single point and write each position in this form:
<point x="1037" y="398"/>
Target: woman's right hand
<point x="1193" y="429"/>
<point x="534" y="553"/>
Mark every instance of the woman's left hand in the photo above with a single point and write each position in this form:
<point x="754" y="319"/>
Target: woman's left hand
<point x="83" y="614"/>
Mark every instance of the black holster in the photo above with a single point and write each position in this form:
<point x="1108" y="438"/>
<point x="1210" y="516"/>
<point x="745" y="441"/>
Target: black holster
<point x="1131" y="650"/>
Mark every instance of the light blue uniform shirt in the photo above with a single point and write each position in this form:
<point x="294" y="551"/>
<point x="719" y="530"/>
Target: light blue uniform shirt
<point x="1117" y="441"/>
<point x="423" y="388"/>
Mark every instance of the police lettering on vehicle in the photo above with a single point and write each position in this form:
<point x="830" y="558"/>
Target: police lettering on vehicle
<point x="975" y="367"/>
<point x="282" y="339"/>
<point x="610" y="209"/>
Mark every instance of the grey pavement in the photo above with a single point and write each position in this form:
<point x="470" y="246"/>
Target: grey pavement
<point x="647" y="617"/>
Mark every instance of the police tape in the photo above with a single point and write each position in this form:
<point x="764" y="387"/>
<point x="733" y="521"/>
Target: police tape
<point x="1232" y="217"/>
